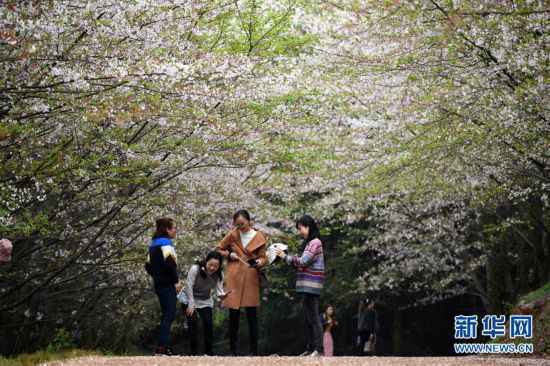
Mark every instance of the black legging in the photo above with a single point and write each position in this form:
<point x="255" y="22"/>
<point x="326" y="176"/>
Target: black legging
<point x="314" y="329"/>
<point x="234" y="317"/>
<point x="206" y="317"/>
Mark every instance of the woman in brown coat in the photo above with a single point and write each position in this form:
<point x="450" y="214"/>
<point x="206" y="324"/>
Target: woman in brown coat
<point x="245" y="250"/>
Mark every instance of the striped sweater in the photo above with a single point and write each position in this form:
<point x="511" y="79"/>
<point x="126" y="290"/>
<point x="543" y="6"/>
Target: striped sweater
<point x="311" y="268"/>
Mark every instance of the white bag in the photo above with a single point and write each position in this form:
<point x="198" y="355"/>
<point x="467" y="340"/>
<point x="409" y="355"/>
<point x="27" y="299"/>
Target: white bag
<point x="369" y="345"/>
<point x="271" y="254"/>
<point x="182" y="296"/>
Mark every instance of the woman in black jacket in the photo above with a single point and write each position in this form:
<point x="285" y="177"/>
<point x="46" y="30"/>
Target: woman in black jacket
<point x="162" y="266"/>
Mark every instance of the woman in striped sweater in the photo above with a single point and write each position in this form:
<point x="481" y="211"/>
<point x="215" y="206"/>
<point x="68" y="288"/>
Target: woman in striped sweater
<point x="309" y="283"/>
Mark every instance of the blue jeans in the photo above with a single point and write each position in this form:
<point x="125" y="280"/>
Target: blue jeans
<point x="167" y="299"/>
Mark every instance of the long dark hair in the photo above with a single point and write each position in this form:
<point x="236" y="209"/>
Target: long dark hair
<point x="308" y="222"/>
<point x="202" y="264"/>
<point x="163" y="225"/>
<point x="326" y="311"/>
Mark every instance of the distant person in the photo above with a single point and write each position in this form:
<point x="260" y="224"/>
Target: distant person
<point x="163" y="268"/>
<point x="367" y="326"/>
<point x="328" y="319"/>
<point x="245" y="249"/>
<point x="5" y="250"/>
<point x="197" y="298"/>
<point x="309" y="282"/>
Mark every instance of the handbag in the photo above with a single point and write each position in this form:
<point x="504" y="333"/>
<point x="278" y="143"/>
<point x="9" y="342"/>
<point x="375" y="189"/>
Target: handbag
<point x="182" y="296"/>
<point x="369" y="345"/>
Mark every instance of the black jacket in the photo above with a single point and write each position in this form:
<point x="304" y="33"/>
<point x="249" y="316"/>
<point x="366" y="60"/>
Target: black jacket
<point x="162" y="265"/>
<point x="368" y="321"/>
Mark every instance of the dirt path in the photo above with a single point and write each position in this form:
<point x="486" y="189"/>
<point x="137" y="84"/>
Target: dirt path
<point x="302" y="361"/>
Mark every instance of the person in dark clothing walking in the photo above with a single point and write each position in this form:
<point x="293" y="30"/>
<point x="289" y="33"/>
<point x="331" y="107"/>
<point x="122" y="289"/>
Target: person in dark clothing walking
<point x="367" y="325"/>
<point x="162" y="267"/>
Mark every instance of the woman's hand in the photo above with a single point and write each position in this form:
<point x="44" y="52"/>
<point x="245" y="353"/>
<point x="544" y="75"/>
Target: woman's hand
<point x="223" y="296"/>
<point x="280" y="253"/>
<point x="234" y="256"/>
<point x="190" y="310"/>
<point x="254" y="263"/>
<point x="179" y="286"/>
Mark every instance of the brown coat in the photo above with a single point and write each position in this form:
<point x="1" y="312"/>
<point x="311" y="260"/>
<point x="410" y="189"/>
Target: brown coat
<point x="242" y="280"/>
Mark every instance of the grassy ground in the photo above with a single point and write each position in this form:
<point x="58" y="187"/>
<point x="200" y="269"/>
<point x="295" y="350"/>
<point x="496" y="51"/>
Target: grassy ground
<point x="540" y="293"/>
<point x="39" y="357"/>
<point x="541" y="320"/>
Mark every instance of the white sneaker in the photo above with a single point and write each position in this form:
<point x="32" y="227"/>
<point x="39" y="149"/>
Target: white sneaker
<point x="315" y="354"/>
<point x="305" y="353"/>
